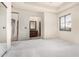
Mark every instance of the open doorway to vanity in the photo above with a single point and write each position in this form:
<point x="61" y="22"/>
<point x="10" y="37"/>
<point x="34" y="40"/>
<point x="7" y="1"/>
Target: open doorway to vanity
<point x="35" y="27"/>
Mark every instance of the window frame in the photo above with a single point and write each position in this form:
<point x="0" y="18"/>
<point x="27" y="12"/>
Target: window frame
<point x="65" y="28"/>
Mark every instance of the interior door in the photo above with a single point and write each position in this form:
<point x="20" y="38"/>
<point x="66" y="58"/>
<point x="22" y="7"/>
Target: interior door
<point x="3" y="41"/>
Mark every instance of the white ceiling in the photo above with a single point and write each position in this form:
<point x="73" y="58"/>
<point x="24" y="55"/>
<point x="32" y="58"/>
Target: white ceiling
<point x="45" y="6"/>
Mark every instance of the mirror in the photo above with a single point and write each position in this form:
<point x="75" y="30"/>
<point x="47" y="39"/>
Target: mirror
<point x="3" y="18"/>
<point x="33" y="25"/>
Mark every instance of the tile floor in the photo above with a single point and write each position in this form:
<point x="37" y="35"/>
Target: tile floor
<point x="43" y="48"/>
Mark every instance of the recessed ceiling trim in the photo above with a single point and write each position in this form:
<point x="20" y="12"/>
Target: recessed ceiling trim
<point x="39" y="7"/>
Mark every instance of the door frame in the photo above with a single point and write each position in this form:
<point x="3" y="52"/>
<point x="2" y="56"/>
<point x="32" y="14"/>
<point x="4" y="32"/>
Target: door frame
<point x="17" y="25"/>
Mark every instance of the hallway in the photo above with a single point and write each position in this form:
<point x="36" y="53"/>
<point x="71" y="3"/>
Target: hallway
<point x="43" y="48"/>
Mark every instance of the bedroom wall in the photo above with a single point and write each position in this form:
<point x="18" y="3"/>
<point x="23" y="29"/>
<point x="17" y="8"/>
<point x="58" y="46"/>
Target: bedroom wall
<point x="72" y="36"/>
<point x="8" y="24"/>
<point x="48" y="21"/>
<point x="24" y="18"/>
<point x="50" y="25"/>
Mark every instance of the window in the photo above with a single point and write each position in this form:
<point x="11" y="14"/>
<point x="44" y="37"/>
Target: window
<point x="65" y="23"/>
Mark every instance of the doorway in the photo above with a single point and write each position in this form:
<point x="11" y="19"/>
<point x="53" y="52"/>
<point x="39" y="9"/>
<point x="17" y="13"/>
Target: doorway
<point x="35" y="27"/>
<point x="15" y="26"/>
<point x="14" y="34"/>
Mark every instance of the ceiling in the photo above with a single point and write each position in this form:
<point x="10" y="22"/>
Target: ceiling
<point x="46" y="6"/>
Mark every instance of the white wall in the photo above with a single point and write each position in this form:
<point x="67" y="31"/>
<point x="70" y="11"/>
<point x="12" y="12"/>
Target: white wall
<point x="72" y="36"/>
<point x="8" y="24"/>
<point x="24" y="18"/>
<point x="48" y="21"/>
<point x="50" y="25"/>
